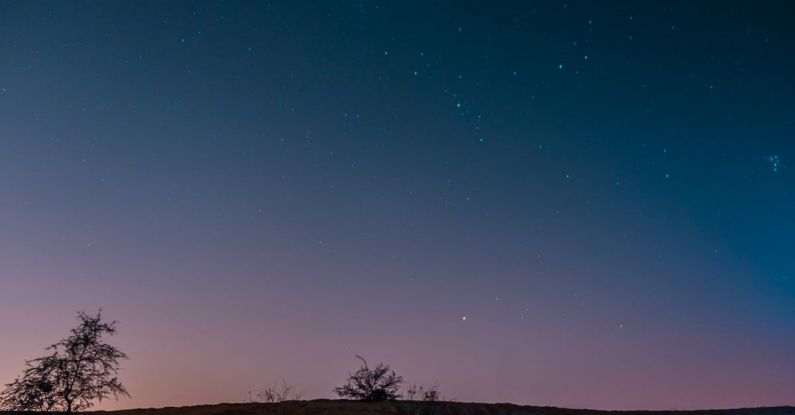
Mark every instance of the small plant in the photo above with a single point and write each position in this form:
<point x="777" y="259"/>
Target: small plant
<point x="423" y="393"/>
<point x="278" y="391"/>
<point x="377" y="384"/>
<point x="431" y="395"/>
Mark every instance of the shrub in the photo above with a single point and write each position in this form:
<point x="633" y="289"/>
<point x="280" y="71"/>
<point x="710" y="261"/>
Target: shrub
<point x="377" y="384"/>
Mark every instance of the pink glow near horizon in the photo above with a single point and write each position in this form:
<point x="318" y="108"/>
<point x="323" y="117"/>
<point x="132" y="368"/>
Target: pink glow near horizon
<point x="570" y="203"/>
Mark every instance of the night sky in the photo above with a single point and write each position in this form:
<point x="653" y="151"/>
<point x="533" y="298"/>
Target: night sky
<point x="566" y="203"/>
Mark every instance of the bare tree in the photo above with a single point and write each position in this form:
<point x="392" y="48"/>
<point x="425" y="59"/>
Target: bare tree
<point x="377" y="384"/>
<point x="34" y="390"/>
<point x="80" y="370"/>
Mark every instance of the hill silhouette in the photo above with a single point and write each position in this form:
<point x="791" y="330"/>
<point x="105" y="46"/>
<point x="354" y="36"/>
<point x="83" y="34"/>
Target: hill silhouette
<point x="344" y="407"/>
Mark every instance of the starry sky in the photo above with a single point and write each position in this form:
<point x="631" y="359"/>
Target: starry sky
<point x="567" y="203"/>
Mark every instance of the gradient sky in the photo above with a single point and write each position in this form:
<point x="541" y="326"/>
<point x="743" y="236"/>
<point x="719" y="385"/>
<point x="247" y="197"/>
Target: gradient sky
<point x="585" y="204"/>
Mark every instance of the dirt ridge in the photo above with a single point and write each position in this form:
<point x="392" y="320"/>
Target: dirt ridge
<point x="343" y="407"/>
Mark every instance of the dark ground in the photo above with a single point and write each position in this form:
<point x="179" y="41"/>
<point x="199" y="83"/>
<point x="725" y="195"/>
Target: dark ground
<point x="338" y="407"/>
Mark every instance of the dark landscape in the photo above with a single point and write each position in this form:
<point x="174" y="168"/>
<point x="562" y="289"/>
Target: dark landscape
<point x="341" y="407"/>
<point x="404" y="207"/>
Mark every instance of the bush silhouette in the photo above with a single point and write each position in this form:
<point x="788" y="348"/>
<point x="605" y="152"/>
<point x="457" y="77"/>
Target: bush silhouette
<point x="81" y="369"/>
<point x="377" y="384"/>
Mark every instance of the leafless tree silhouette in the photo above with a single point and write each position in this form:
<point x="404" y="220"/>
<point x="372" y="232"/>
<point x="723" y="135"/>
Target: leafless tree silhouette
<point x="81" y="369"/>
<point x="377" y="384"/>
